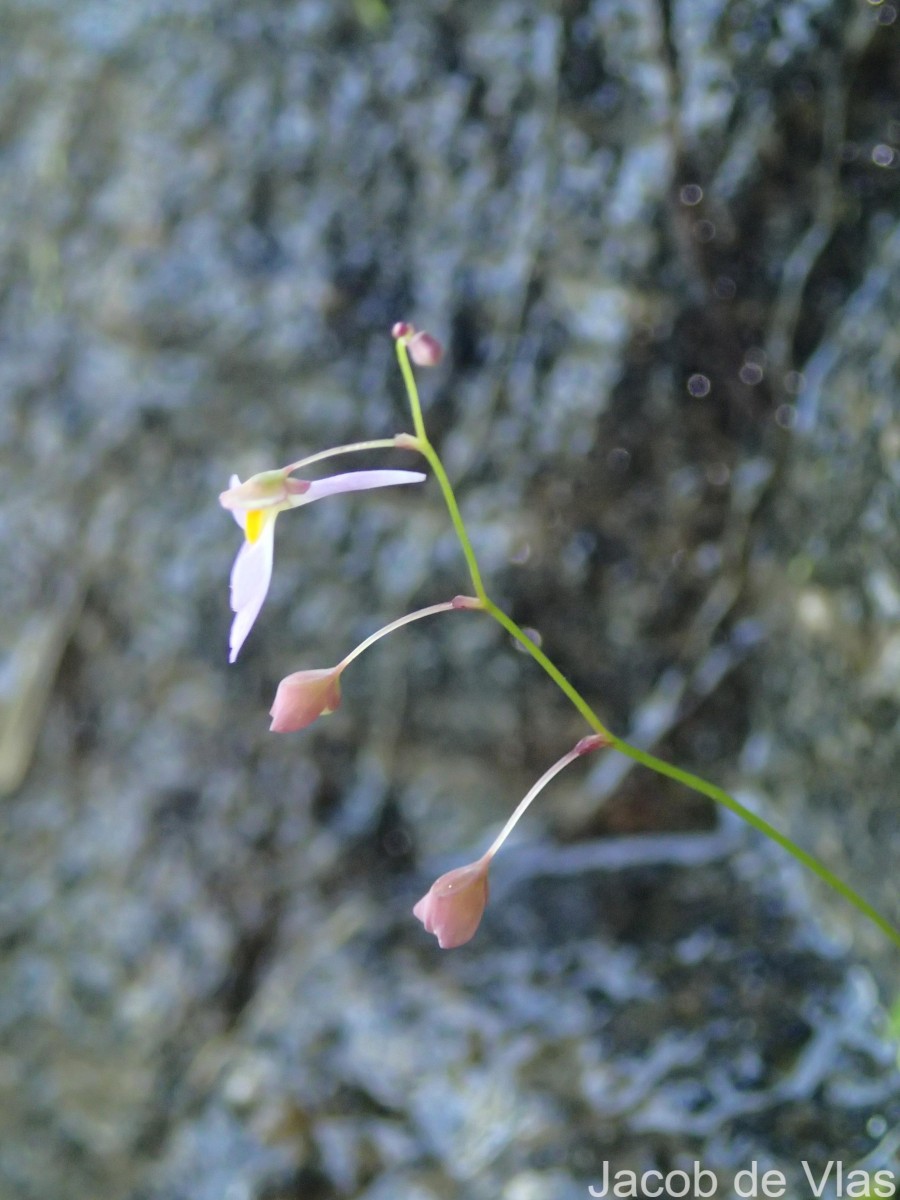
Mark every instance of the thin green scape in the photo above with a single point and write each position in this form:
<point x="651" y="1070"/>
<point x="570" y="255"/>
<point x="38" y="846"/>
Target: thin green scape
<point x="660" y="766"/>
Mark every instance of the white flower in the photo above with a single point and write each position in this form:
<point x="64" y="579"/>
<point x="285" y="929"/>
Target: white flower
<point x="255" y="504"/>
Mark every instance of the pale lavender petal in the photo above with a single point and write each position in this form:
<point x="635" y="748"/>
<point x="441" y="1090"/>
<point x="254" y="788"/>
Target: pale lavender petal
<point x="355" y="481"/>
<point x="246" y="570"/>
<point x="250" y="579"/>
<point x="240" y="517"/>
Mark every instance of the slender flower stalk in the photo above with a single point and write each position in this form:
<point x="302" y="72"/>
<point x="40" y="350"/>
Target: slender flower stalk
<point x="304" y="696"/>
<point x="594" y="741"/>
<point x="403" y="334"/>
<point x="402" y="441"/>
<point x="452" y="907"/>
<point x="457" y="603"/>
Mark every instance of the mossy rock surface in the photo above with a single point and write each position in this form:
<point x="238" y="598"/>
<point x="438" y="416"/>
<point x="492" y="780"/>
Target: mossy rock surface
<point x="661" y="244"/>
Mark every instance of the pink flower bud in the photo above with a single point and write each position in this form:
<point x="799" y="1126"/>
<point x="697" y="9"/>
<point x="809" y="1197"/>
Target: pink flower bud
<point x="452" y="909"/>
<point x="425" y="350"/>
<point x="304" y="696"/>
<point x="402" y="329"/>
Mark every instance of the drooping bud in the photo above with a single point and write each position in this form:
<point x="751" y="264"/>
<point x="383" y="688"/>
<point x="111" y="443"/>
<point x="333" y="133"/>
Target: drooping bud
<point x="453" y="906"/>
<point x="304" y="696"/>
<point x="425" y="350"/>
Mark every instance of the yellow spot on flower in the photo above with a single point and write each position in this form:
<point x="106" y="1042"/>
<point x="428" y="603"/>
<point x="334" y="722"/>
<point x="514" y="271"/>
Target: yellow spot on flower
<point x="256" y="519"/>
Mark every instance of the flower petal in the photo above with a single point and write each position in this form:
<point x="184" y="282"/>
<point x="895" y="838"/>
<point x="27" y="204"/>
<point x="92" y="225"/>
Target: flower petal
<point x="250" y="579"/>
<point x="251" y="573"/>
<point x="238" y="514"/>
<point x="254" y="523"/>
<point x="354" y="481"/>
<point x="452" y="908"/>
<point x="303" y="697"/>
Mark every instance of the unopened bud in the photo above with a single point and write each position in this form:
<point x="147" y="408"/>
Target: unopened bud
<point x="453" y="906"/>
<point x="402" y="329"/>
<point x="425" y="350"/>
<point x="304" y="696"/>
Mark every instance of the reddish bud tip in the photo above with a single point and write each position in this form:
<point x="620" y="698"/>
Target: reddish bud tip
<point x="402" y="329"/>
<point x="452" y="908"/>
<point x="425" y="350"/>
<point x="594" y="741"/>
<point x="304" y="696"/>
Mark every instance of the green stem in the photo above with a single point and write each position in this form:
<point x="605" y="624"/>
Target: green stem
<point x="429" y="452"/>
<point x="695" y="782"/>
<point x="550" y="667"/>
<point x="412" y="391"/>
<point x="722" y="797"/>
<point x="456" y="517"/>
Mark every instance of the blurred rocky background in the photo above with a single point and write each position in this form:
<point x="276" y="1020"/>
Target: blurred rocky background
<point x="661" y="241"/>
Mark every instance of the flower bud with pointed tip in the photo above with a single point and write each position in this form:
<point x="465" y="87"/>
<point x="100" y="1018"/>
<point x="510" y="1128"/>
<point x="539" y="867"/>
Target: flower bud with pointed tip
<point x="304" y="696"/>
<point x="425" y="350"/>
<point x="452" y="907"/>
